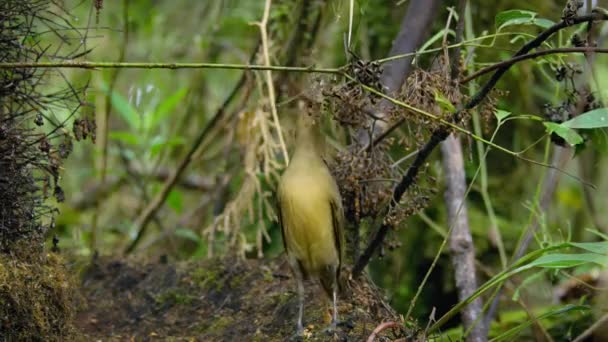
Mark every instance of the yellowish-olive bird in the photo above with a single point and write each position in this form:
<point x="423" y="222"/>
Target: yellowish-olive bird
<point x="311" y="215"/>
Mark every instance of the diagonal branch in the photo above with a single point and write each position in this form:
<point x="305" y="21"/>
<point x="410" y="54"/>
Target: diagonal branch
<point x="442" y="133"/>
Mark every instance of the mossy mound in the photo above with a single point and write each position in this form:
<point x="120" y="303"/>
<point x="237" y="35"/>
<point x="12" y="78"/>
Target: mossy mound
<point x="215" y="300"/>
<point x="37" y="299"/>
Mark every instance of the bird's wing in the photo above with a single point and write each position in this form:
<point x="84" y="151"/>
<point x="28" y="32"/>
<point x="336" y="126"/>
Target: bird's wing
<point x="337" y="216"/>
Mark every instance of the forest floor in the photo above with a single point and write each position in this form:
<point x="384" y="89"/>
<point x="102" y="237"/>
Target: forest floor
<point x="216" y="300"/>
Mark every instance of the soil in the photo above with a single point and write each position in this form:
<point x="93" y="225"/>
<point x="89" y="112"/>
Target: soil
<point x="216" y="300"/>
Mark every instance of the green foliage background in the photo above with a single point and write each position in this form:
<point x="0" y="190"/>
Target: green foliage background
<point x="155" y="115"/>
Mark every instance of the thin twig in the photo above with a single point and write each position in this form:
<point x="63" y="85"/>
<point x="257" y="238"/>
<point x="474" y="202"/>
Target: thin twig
<point x="533" y="55"/>
<point x="144" y="65"/>
<point x="380" y="328"/>
<point x="269" y="81"/>
<point x="147" y="214"/>
<point x="587" y="333"/>
<point x="104" y="127"/>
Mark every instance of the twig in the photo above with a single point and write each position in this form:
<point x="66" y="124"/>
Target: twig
<point x="587" y="333"/>
<point x="106" y="117"/>
<point x="533" y="55"/>
<point x="147" y="214"/>
<point x="380" y="328"/>
<point x="442" y="133"/>
<point x="412" y="33"/>
<point x="144" y="65"/>
<point x="269" y="81"/>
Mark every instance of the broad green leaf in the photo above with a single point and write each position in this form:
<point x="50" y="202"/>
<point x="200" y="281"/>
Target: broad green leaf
<point x="444" y="103"/>
<point x="175" y="200"/>
<point x="187" y="234"/>
<point x="559" y="260"/>
<point x="597" y="118"/>
<point x="520" y="17"/>
<point x="571" y="137"/>
<point x="165" y="108"/>
<point x="501" y="114"/>
<point x="124" y="137"/>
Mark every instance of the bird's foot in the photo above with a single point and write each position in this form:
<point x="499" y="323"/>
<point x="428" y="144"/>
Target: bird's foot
<point x="332" y="328"/>
<point x="299" y="335"/>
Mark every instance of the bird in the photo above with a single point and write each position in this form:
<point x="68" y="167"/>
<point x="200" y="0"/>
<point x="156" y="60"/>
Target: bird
<point x="311" y="216"/>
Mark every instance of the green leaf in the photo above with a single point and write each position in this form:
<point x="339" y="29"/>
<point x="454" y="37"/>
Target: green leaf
<point x="187" y="234"/>
<point x="559" y="260"/>
<point x="175" y="200"/>
<point x="568" y="134"/>
<point x="501" y="114"/>
<point x="597" y="118"/>
<point x="158" y="143"/>
<point x="126" y="111"/>
<point x="520" y="17"/>
<point x="510" y="334"/>
<point x="124" y="137"/>
<point x="165" y="108"/>
<point x="123" y="107"/>
<point x="444" y="103"/>
<point x="594" y="247"/>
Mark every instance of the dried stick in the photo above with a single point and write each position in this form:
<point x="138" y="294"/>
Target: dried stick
<point x="269" y="81"/>
<point x="382" y="327"/>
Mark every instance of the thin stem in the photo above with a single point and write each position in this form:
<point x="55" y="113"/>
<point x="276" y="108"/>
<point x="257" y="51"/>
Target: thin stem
<point x="269" y="81"/>
<point x="533" y="55"/>
<point x="144" y="65"/>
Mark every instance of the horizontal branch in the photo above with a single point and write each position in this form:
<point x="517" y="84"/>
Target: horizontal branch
<point x="144" y="65"/>
<point x="532" y="55"/>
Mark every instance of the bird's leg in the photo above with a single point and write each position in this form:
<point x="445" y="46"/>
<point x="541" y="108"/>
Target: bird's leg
<point x="334" y="320"/>
<point x="300" y="281"/>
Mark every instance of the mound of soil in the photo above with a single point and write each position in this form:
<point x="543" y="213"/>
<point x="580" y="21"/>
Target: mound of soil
<point x="216" y="300"/>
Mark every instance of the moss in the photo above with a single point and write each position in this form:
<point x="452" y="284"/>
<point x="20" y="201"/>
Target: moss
<point x="219" y="325"/>
<point x="236" y="281"/>
<point x="38" y="298"/>
<point x="206" y="278"/>
<point x="174" y="296"/>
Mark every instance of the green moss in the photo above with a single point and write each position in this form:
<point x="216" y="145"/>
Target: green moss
<point x="37" y="298"/>
<point x="206" y="278"/>
<point x="219" y="325"/>
<point x="174" y="296"/>
<point x="236" y="281"/>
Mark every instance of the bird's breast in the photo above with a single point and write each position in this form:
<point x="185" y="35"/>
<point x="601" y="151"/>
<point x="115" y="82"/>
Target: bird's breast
<point x="307" y="219"/>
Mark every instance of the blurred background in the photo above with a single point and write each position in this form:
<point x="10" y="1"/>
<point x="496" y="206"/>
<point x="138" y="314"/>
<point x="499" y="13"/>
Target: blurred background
<point x="148" y="119"/>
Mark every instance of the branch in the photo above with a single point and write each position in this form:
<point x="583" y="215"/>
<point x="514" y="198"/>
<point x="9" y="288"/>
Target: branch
<point x="462" y="249"/>
<point x="382" y="327"/>
<point x="532" y="55"/>
<point x="144" y="65"/>
<point x="442" y="133"/>
<point x="412" y="33"/>
<point x="145" y="217"/>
